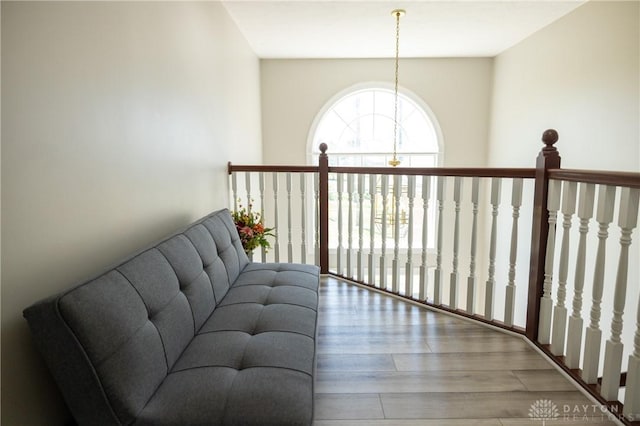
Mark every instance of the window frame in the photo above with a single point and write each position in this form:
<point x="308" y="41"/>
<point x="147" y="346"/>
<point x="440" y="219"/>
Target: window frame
<point x="313" y="151"/>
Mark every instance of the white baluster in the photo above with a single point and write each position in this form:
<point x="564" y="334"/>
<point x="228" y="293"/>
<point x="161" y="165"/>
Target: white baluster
<point x="350" y="226"/>
<point x="261" y="188"/>
<point x="316" y="204"/>
<point x="247" y="180"/>
<point x="560" y="310"/>
<point x="632" y="394"/>
<point x="395" y="265"/>
<point x="408" y="274"/>
<point x="289" y="244"/>
<point x="437" y="273"/>
<point x="303" y="217"/>
<point x="424" y="269"/>
<point x="593" y="333"/>
<point x="510" y="291"/>
<point x="247" y="187"/>
<point x="471" y="281"/>
<point x="627" y="220"/>
<point x="234" y="190"/>
<point x="453" y="283"/>
<point x="546" y="302"/>
<point x="574" y="330"/>
<point x="276" y="245"/>
<point x="496" y="189"/>
<point x="383" y="265"/>
<point x="373" y="192"/>
<point x="360" y="266"/>
<point x="340" y="181"/>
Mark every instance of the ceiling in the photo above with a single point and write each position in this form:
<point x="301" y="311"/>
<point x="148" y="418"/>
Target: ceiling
<point x="366" y="29"/>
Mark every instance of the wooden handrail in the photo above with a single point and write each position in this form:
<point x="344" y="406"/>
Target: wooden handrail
<point x="628" y="179"/>
<point x="275" y="168"/>
<point x="439" y="171"/>
<point x="527" y="173"/>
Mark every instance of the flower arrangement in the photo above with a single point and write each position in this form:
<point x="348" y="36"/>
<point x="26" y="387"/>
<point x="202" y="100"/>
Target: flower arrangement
<point x="251" y="230"/>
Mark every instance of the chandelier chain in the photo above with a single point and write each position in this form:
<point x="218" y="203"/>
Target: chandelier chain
<point x="394" y="161"/>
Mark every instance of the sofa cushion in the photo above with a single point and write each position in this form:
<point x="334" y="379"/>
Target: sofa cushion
<point x="189" y="399"/>
<point x="257" y="318"/>
<point x="212" y="265"/>
<point x="264" y="378"/>
<point x="127" y="355"/>
<point x="167" y="307"/>
<point x="193" y="280"/>
<point x="277" y="274"/>
<point x="265" y="295"/>
<point x="228" y="244"/>
<point x="270" y="397"/>
<point x="239" y="351"/>
<point x="254" y="396"/>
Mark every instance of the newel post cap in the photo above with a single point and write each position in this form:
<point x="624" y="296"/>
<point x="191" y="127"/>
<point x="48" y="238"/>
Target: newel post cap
<point x="323" y="148"/>
<point x="549" y="138"/>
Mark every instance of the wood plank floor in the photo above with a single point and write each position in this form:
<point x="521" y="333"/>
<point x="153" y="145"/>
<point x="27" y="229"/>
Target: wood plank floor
<point x="382" y="361"/>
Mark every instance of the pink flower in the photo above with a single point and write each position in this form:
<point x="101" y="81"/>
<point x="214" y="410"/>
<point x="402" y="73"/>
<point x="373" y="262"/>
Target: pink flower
<point x="247" y="231"/>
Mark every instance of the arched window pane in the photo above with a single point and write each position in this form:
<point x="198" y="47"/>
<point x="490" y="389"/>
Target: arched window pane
<point x="359" y="130"/>
<point x="361" y="125"/>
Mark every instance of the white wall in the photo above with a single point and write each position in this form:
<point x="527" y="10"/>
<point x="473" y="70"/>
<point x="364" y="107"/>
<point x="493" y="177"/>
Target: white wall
<point x="579" y="75"/>
<point x="118" y="121"/>
<point x="457" y="91"/>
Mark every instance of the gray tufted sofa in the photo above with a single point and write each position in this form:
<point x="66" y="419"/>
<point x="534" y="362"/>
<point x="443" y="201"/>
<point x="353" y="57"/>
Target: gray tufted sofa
<point x="187" y="332"/>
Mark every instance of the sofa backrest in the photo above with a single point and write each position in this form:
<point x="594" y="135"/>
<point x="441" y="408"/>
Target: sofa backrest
<point x="111" y="341"/>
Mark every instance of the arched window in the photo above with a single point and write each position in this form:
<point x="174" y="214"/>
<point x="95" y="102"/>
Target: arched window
<point x="358" y="128"/>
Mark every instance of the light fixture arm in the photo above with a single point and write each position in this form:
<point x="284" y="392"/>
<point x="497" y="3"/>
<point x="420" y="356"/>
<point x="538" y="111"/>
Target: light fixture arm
<point x="394" y="161"/>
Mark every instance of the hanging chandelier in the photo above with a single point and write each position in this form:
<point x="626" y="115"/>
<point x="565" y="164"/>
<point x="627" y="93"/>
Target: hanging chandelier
<point x="394" y="162"/>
